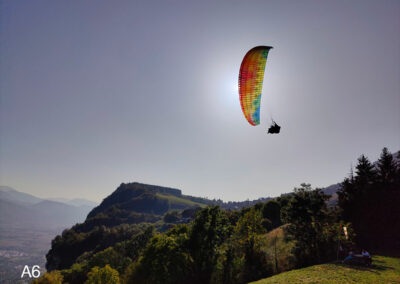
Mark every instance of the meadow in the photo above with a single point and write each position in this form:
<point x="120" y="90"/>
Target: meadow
<point x="384" y="270"/>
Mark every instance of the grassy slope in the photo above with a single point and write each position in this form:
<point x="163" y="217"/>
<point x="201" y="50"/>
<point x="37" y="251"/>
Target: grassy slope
<point x="178" y="200"/>
<point x="278" y="250"/>
<point x="384" y="270"/>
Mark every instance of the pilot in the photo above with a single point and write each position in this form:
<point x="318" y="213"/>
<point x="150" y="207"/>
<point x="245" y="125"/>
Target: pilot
<point x="274" y="129"/>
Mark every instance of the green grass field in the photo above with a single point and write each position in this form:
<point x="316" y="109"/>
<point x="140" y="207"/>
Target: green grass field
<point x="182" y="201"/>
<point x="384" y="270"/>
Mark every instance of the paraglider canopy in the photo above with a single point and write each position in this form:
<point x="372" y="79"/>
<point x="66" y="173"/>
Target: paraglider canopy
<point x="251" y="76"/>
<point x="274" y="128"/>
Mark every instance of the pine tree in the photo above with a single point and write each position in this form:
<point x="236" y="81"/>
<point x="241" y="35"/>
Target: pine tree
<point x="365" y="171"/>
<point x="387" y="167"/>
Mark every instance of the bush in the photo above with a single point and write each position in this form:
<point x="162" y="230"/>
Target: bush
<point x="105" y="275"/>
<point x="53" y="277"/>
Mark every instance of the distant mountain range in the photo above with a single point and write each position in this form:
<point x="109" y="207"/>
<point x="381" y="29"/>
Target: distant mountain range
<point x="332" y="191"/>
<point x="75" y="201"/>
<point x="10" y="194"/>
<point x="27" y="226"/>
<point x="23" y="210"/>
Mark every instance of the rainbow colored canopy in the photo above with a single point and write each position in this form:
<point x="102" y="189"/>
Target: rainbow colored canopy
<point x="251" y="77"/>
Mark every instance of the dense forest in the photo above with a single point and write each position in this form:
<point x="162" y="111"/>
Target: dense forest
<point x="148" y="235"/>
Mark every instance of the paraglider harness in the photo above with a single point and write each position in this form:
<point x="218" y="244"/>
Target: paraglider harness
<point x="274" y="128"/>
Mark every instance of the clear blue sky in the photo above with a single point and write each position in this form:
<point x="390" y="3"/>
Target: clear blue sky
<point x="95" y="93"/>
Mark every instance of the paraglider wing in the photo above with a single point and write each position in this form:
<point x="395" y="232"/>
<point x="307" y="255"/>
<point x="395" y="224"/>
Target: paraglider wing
<point x="251" y="78"/>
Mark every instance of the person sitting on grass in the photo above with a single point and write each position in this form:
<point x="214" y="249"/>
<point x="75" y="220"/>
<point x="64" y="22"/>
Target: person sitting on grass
<point x="365" y="253"/>
<point x="366" y="257"/>
<point x="349" y="257"/>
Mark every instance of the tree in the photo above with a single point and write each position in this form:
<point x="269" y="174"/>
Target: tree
<point x="272" y="211"/>
<point x="387" y="167"/>
<point x="249" y="225"/>
<point x="246" y="236"/>
<point x="365" y="171"/>
<point x="307" y="216"/>
<point x="137" y="244"/>
<point x="109" y="257"/>
<point x="105" y="275"/>
<point x="73" y="244"/>
<point x="355" y="194"/>
<point x="53" y="277"/>
<point x="209" y="230"/>
<point x="370" y="202"/>
<point x="76" y="274"/>
<point x="165" y="260"/>
<point x="171" y="217"/>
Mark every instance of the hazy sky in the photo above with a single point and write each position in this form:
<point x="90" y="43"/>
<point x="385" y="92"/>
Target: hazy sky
<point x="96" y="93"/>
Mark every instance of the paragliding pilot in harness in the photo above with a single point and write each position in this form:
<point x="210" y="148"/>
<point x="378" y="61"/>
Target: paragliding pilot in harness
<point x="274" y="128"/>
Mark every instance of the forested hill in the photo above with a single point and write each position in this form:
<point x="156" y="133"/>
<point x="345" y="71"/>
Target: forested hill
<point x="145" y="198"/>
<point x="128" y="211"/>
